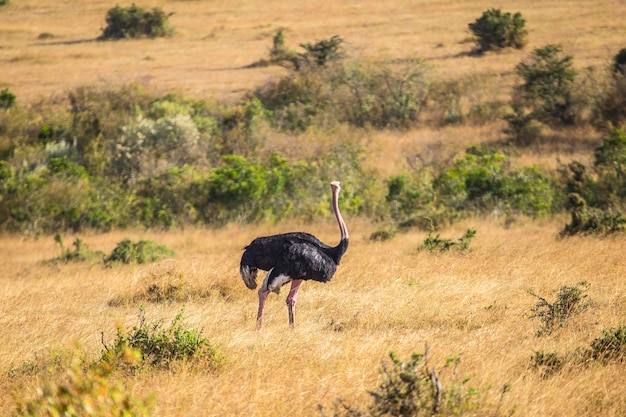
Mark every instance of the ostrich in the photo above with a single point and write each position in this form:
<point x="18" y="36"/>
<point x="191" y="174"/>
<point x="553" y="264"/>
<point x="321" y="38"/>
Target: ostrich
<point x="292" y="257"/>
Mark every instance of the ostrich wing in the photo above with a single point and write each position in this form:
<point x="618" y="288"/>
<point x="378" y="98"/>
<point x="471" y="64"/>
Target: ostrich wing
<point x="303" y="260"/>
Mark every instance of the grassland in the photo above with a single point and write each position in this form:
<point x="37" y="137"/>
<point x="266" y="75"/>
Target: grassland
<point x="386" y="296"/>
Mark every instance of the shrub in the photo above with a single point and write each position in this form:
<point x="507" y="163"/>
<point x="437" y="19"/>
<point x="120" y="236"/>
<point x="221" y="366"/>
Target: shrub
<point x="586" y="220"/>
<point x="610" y="164"/>
<point x="414" y="388"/>
<point x="496" y="30"/>
<point x="383" y="95"/>
<point x="547" y="88"/>
<point x="387" y="233"/>
<point x="280" y="53"/>
<point x="7" y="99"/>
<point x="570" y="301"/>
<point x="596" y="202"/>
<point x="322" y="52"/>
<point x="80" y="253"/>
<point x="134" y="22"/>
<point x="140" y="252"/>
<point x="160" y="347"/>
<point x="316" y="54"/>
<point x="438" y="244"/>
<point x="84" y="390"/>
<point x="484" y="181"/>
<point x="611" y="346"/>
<point x="619" y="62"/>
<point x="547" y="363"/>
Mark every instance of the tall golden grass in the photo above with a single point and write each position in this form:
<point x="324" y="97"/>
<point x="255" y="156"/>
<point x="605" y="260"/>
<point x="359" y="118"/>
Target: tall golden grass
<point x="386" y="296"/>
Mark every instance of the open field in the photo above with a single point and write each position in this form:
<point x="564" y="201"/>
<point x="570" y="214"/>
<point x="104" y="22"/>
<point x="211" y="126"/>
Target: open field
<point x="386" y="297"/>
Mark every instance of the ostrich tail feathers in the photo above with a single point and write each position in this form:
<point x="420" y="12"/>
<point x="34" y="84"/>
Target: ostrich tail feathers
<point x="249" y="276"/>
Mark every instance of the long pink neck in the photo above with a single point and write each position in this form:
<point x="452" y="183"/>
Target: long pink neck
<point x="342" y="225"/>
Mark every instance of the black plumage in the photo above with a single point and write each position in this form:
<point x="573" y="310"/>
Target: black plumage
<point x="292" y="257"/>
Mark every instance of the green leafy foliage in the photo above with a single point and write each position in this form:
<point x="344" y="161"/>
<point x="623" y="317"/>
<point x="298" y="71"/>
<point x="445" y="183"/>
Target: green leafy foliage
<point x="154" y="345"/>
<point x="7" y="98"/>
<point x="610" y="347"/>
<point x="122" y="157"/>
<point x="496" y="30"/>
<point x="142" y="251"/>
<point x="135" y="22"/>
<point x="596" y="202"/>
<point x="81" y="390"/>
<point x="384" y="95"/>
<point x="570" y="301"/>
<point x="484" y="181"/>
<point x="591" y="221"/>
<point x="386" y="233"/>
<point x="439" y="244"/>
<point x="322" y="52"/>
<point x="610" y="163"/>
<point x="547" y="88"/>
<point x="80" y="253"/>
<point x="280" y="53"/>
<point x="415" y="388"/>
<point x="315" y="55"/>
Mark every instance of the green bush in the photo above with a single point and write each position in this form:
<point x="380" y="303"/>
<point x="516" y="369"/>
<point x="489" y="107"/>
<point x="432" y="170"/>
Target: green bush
<point x="160" y="347"/>
<point x="610" y="164"/>
<point x="140" y="252"/>
<point x="611" y="346"/>
<point x="439" y="244"/>
<point x="7" y="99"/>
<point x="570" y="301"/>
<point x="592" y="221"/>
<point x="547" y="88"/>
<point x="80" y="253"/>
<point x="619" y="62"/>
<point x="484" y="181"/>
<point x="415" y="388"/>
<point x="547" y="364"/>
<point x="496" y="30"/>
<point x="384" y="234"/>
<point x="134" y="22"/>
<point x="595" y="202"/>
<point x="82" y="390"/>
<point x="381" y="94"/>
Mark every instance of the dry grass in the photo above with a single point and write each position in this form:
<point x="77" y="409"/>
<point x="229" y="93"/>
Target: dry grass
<point x="215" y="40"/>
<point x="386" y="296"/>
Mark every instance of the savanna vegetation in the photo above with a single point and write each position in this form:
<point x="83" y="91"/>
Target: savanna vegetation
<point x="492" y="127"/>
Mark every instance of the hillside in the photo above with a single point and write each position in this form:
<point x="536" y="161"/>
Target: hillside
<point x="216" y="40"/>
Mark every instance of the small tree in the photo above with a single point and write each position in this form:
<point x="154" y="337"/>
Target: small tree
<point x="323" y="51"/>
<point x="496" y="30"/>
<point x="547" y="86"/>
<point x="134" y="22"/>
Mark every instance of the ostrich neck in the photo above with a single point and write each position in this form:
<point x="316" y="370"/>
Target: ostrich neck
<point x="342" y="225"/>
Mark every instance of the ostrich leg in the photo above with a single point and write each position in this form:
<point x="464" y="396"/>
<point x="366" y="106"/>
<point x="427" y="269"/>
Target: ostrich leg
<point x="263" y="293"/>
<point x="291" y="300"/>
